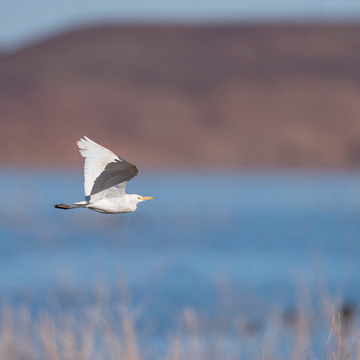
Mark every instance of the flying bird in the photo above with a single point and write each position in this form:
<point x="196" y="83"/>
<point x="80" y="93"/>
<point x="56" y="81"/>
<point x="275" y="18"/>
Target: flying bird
<point x="106" y="176"/>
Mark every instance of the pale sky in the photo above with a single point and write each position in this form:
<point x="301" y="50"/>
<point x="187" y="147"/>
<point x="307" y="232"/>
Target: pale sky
<point x="23" y="21"/>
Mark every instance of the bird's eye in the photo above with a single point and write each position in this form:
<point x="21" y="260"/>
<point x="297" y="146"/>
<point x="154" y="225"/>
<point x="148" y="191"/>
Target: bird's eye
<point x="139" y="197"/>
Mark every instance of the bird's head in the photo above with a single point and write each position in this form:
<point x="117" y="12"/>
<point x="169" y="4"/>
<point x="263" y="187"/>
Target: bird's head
<point x="139" y="198"/>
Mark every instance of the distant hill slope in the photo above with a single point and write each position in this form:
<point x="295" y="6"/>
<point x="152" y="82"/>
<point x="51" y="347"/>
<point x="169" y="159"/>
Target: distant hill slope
<point x="212" y="96"/>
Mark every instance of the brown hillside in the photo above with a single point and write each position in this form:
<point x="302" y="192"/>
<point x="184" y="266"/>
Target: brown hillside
<point x="269" y="95"/>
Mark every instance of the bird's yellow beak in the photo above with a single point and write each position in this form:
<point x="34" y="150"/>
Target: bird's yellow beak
<point x="143" y="198"/>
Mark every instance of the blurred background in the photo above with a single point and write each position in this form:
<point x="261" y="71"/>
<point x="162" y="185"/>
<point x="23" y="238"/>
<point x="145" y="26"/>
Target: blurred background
<point x="244" y="119"/>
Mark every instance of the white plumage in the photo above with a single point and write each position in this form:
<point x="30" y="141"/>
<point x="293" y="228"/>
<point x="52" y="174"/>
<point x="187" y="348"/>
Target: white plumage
<point x="106" y="176"/>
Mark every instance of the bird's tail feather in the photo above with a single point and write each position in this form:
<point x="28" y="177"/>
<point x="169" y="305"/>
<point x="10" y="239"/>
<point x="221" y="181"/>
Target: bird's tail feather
<point x="80" y="203"/>
<point x="66" y="207"/>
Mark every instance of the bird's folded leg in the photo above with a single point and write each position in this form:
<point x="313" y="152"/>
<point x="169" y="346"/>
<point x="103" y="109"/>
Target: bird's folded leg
<point x="64" y="206"/>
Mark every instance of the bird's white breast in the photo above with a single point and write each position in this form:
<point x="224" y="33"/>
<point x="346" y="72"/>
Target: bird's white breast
<point x="113" y="205"/>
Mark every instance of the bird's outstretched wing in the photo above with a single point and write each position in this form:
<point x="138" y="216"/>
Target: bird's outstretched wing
<point x="105" y="173"/>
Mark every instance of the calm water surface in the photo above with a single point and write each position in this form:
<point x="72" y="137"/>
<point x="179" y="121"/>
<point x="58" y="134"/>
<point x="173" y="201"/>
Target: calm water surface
<point x="256" y="233"/>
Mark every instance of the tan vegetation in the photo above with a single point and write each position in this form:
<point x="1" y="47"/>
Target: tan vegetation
<point x="97" y="333"/>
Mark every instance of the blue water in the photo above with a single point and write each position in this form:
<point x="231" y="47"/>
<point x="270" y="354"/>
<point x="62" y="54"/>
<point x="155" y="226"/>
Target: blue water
<point x="259" y="234"/>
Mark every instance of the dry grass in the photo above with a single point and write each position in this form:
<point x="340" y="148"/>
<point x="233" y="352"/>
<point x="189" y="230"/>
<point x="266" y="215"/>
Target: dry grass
<point x="100" y="334"/>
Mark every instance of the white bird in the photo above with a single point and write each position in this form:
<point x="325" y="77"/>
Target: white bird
<point x="106" y="176"/>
